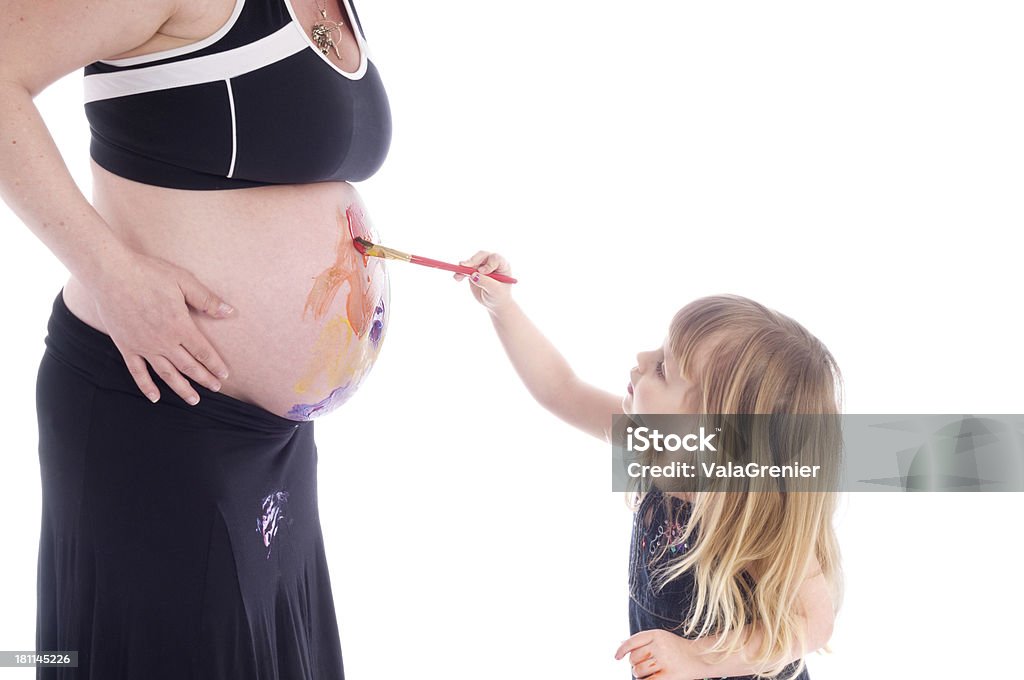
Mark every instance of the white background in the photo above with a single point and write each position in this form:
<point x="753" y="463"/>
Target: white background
<point x="856" y="166"/>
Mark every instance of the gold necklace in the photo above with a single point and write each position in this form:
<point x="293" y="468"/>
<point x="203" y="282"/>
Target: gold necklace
<point x="322" y="32"/>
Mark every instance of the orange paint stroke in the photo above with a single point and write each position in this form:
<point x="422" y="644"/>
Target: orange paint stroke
<point x="345" y="268"/>
<point x="347" y="345"/>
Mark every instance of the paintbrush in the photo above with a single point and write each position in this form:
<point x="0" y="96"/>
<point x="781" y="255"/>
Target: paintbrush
<point x="373" y="250"/>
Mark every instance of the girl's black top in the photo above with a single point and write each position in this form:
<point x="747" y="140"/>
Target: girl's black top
<point x="665" y="609"/>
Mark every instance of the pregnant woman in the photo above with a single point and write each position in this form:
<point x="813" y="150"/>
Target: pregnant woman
<point x="215" y="307"/>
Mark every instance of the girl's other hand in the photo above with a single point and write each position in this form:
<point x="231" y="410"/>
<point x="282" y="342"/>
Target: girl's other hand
<point x="490" y="293"/>
<point x="144" y="305"/>
<point x="661" y="655"/>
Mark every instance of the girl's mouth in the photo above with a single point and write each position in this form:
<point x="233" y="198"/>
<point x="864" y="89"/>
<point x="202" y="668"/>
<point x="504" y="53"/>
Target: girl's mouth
<point x="629" y="388"/>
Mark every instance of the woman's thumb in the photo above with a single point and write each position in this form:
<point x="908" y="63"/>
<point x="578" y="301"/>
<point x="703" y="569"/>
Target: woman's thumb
<point x="203" y="299"/>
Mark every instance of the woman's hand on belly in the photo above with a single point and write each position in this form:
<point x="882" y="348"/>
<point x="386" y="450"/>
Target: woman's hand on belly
<point x="143" y="303"/>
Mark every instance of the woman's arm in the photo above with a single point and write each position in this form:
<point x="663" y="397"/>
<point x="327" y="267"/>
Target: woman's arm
<point x="139" y="298"/>
<point x="543" y="370"/>
<point x="34" y="181"/>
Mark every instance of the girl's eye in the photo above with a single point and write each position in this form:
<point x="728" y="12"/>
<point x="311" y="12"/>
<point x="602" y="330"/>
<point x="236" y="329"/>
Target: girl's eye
<point x="660" y="368"/>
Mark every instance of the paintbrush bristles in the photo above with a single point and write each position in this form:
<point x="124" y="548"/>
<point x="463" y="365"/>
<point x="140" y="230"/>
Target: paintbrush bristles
<point x="373" y="250"/>
<point x="388" y="253"/>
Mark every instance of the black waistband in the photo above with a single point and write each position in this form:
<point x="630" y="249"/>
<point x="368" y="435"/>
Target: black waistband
<point x="93" y="354"/>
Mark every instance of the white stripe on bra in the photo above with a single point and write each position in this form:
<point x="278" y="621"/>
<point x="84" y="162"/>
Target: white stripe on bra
<point x="279" y="45"/>
<point x="234" y="129"/>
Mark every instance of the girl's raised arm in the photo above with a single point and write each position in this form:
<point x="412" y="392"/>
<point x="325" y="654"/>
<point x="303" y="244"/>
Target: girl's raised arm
<point x="544" y="371"/>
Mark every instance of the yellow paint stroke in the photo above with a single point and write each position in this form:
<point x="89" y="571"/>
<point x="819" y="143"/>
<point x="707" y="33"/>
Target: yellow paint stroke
<point x="329" y="355"/>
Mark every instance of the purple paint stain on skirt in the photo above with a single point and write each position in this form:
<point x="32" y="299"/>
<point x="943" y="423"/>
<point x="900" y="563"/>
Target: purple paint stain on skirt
<point x="272" y="515"/>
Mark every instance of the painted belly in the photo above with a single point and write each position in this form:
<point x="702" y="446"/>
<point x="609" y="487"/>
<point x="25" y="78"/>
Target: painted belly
<point x="350" y="301"/>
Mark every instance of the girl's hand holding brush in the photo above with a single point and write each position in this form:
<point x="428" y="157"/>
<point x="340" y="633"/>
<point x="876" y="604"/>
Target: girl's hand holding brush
<point x="370" y="249"/>
<point x="490" y="293"/>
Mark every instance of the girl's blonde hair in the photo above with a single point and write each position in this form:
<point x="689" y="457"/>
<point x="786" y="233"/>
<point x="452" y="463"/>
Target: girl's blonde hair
<point x="757" y="361"/>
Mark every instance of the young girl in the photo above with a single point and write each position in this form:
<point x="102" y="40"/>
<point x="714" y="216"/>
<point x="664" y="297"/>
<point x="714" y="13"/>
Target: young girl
<point x="721" y="584"/>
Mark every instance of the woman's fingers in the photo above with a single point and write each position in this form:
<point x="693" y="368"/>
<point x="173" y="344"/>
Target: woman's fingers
<point x="202" y="298"/>
<point x="182" y="362"/>
<point x="137" y="367"/>
<point x="146" y="312"/>
<point x="188" y="364"/>
<point x="199" y="347"/>
<point x="170" y="375"/>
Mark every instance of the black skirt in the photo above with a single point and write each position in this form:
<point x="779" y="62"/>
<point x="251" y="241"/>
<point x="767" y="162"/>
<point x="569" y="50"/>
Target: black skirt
<point x="177" y="541"/>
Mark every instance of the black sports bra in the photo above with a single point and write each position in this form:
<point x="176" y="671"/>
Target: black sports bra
<point x="254" y="104"/>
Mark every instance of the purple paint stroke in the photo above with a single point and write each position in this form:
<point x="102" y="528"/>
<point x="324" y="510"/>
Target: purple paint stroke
<point x="273" y="513"/>
<point x="378" y="324"/>
<point x="336" y="398"/>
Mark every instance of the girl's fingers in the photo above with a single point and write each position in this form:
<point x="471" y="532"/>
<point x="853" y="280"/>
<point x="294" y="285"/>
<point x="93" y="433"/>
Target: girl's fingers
<point x="488" y="266"/>
<point x="481" y="281"/>
<point x="485" y="263"/>
<point x="632" y="643"/>
<point x="494" y="263"/>
<point x="644" y="673"/>
<point x="645" y="667"/>
<point x="475" y="261"/>
<point x="642" y="659"/>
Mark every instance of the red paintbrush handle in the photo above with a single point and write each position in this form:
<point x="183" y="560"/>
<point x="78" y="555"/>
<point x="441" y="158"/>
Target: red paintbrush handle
<point x="427" y="262"/>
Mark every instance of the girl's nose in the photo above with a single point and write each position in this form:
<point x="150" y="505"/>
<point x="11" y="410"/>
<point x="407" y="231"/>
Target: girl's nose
<point x="641" y="360"/>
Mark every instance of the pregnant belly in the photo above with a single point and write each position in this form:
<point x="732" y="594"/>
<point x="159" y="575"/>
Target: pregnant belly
<point x="311" y="311"/>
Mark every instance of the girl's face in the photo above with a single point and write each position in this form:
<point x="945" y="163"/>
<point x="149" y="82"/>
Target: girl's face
<point x="656" y="385"/>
